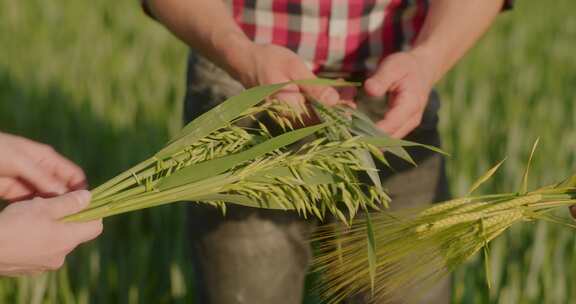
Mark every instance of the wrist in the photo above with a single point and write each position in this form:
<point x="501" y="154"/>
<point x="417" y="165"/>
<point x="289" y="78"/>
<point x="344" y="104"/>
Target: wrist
<point x="430" y="61"/>
<point x="234" y="53"/>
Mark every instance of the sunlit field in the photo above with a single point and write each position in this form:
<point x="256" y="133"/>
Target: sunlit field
<point x="103" y="84"/>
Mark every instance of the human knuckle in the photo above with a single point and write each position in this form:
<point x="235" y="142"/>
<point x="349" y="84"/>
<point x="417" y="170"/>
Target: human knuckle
<point x="57" y="262"/>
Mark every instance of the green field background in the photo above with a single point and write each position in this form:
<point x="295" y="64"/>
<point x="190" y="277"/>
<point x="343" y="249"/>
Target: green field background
<point x="103" y="84"/>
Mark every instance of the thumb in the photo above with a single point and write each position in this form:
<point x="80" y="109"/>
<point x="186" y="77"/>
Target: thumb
<point x="324" y="94"/>
<point x="68" y="204"/>
<point x="379" y="83"/>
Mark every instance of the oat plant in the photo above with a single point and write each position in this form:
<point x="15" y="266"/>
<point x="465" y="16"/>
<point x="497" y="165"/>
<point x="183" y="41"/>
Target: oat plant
<point x="232" y="155"/>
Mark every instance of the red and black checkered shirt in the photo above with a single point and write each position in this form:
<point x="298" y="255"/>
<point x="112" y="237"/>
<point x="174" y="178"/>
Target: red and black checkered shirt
<point x="336" y="36"/>
<point x="349" y="36"/>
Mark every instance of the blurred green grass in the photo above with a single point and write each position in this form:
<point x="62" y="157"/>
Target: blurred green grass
<point x="103" y="84"/>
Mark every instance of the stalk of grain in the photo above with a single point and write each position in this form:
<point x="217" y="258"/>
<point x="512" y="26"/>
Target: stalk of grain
<point x="415" y="248"/>
<point x="213" y="160"/>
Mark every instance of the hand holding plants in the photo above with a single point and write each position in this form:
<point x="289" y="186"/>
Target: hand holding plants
<point x="28" y="169"/>
<point x="32" y="237"/>
<point x="407" y="79"/>
<point x="266" y="64"/>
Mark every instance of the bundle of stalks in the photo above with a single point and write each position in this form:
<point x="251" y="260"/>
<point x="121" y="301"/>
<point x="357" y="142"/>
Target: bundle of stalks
<point x="411" y="250"/>
<point x="214" y="160"/>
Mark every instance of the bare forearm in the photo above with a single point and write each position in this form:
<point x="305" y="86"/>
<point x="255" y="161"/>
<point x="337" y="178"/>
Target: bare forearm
<point x="451" y="29"/>
<point x="206" y="26"/>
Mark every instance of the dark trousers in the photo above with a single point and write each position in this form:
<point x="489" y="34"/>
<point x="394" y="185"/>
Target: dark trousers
<point x="259" y="256"/>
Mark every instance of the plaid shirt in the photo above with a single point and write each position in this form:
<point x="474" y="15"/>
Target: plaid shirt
<point x="349" y="36"/>
<point x="335" y="36"/>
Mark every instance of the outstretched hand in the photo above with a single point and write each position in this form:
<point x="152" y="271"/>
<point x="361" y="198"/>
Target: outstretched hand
<point x="268" y="64"/>
<point x="33" y="238"/>
<point x="29" y="169"/>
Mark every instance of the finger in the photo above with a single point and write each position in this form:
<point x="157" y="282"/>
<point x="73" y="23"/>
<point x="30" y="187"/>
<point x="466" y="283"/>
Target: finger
<point x="37" y="177"/>
<point x="400" y="110"/>
<point x="13" y="190"/>
<point x="68" y="172"/>
<point x="288" y="89"/>
<point x="23" y="271"/>
<point x="408" y="127"/>
<point x="324" y="94"/>
<point x="83" y="232"/>
<point x="289" y="94"/>
<point x="63" y="169"/>
<point x="290" y="97"/>
<point x="67" y="204"/>
<point x="294" y="99"/>
<point x="379" y="83"/>
<point x="347" y="95"/>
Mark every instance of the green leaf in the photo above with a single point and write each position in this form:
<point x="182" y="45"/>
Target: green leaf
<point x="224" y="113"/>
<point x="401" y="153"/>
<point x="389" y="142"/>
<point x="368" y="162"/>
<point x="524" y="187"/>
<point x="326" y="82"/>
<point x="486" y="252"/>
<point x="567" y="183"/>
<point x="313" y="176"/>
<point x="395" y="146"/>
<point x="485" y="177"/>
<point x="363" y="125"/>
<point x="239" y="200"/>
<point x="218" y="117"/>
<point x="216" y="166"/>
<point x="339" y="113"/>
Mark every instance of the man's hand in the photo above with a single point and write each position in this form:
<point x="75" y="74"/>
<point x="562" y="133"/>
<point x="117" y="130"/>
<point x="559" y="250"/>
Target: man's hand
<point x="225" y="44"/>
<point x="32" y="237"/>
<point x="407" y="80"/>
<point x="28" y="169"/>
<point x="451" y="28"/>
<point x="268" y="63"/>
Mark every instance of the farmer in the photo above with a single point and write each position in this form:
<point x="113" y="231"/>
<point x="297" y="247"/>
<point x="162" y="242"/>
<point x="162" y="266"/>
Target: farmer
<point x="32" y="239"/>
<point x="398" y="49"/>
